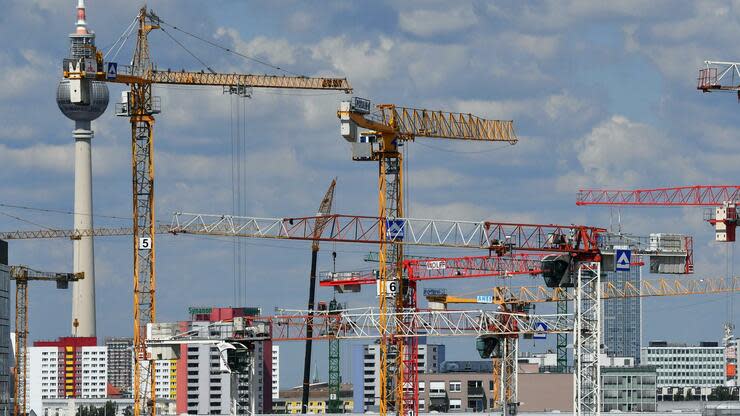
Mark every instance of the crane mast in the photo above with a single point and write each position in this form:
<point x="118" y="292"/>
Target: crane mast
<point x="22" y="275"/>
<point x="140" y="106"/>
<point x="390" y="127"/>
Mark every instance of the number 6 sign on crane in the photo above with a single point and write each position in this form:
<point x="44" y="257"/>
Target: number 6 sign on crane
<point x="391" y="287"/>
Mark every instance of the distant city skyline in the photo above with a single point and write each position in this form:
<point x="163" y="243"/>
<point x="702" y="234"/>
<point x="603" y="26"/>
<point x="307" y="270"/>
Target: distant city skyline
<point x="602" y="95"/>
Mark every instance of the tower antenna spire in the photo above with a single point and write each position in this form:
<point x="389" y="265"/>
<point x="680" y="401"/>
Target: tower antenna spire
<point x="81" y="19"/>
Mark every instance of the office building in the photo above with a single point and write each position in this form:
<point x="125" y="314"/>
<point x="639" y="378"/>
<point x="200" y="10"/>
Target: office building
<point x="686" y="369"/>
<point x="622" y="317"/>
<point x="202" y="387"/>
<point x="120" y="364"/>
<point x="628" y="389"/>
<point x="6" y="355"/>
<point x="367" y="358"/>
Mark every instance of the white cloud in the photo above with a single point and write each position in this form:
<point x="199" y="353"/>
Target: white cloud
<point x="428" y="23"/>
<point x="364" y="61"/>
<point x="620" y="152"/>
<point x="19" y="78"/>
<point x="274" y="51"/>
<point x="536" y="45"/>
<point x="434" y="178"/>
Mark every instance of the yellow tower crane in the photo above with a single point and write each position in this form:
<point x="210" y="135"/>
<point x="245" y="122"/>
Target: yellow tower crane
<point x="140" y="106"/>
<point x="22" y="275"/>
<point x="389" y="128"/>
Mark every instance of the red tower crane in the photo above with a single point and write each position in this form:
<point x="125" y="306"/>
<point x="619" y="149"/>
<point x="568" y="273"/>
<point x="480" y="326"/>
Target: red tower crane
<point x="724" y="199"/>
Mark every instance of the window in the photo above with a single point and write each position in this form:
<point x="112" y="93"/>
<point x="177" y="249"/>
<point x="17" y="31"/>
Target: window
<point x="455" y="386"/>
<point x="455" y="404"/>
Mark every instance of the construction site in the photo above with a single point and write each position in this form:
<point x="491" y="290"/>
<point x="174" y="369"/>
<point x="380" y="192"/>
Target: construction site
<point x="465" y="267"/>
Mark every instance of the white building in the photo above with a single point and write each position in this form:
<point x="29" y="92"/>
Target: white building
<point x="165" y="379"/>
<point x="210" y="390"/>
<point x="275" y="371"/>
<point x="53" y="375"/>
<point x="680" y="367"/>
<point x="94" y="372"/>
<point x="366" y="359"/>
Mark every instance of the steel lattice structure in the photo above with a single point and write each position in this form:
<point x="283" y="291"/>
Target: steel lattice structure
<point x="587" y="340"/>
<point x="699" y="195"/>
<point x="485" y="235"/>
<point x="364" y="323"/>
<point x="434" y="268"/>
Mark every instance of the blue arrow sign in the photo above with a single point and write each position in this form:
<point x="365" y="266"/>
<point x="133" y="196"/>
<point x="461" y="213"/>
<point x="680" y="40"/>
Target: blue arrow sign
<point x="622" y="261"/>
<point x="112" y="71"/>
<point x="394" y="230"/>
<point x="541" y="329"/>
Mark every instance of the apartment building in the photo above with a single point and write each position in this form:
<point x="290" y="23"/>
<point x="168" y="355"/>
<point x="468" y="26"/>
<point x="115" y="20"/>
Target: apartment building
<point x="66" y="368"/>
<point x="366" y="359"/>
<point x="120" y="364"/>
<point x="202" y="386"/>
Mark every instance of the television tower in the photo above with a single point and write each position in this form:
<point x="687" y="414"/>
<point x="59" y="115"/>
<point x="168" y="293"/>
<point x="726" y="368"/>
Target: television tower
<point x="83" y="100"/>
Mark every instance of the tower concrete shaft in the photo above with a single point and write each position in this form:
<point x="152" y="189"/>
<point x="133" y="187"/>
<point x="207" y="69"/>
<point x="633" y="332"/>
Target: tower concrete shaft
<point x="88" y="103"/>
<point x="83" y="294"/>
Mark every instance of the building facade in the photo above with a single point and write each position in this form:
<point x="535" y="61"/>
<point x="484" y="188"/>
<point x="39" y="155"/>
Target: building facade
<point x="366" y="362"/>
<point x="6" y="355"/>
<point x="120" y="364"/>
<point x="682" y="368"/>
<point x="468" y="386"/>
<point x="628" y="389"/>
<point x="275" y="371"/>
<point x="67" y="368"/>
<point x="202" y="386"/>
<point x="622" y="317"/>
<point x="318" y="399"/>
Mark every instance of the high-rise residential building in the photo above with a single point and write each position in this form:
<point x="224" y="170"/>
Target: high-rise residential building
<point x="366" y="365"/>
<point x="6" y="356"/>
<point x="682" y="368"/>
<point x="120" y="364"/>
<point x="66" y="368"/>
<point x="622" y="318"/>
<point x="275" y="371"/>
<point x="202" y="386"/>
<point x="165" y="379"/>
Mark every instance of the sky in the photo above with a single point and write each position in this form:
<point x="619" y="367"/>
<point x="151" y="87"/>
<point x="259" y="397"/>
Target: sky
<point x="602" y="95"/>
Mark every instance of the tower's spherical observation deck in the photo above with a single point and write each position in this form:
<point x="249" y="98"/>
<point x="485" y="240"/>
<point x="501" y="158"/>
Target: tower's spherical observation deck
<point x="83" y="112"/>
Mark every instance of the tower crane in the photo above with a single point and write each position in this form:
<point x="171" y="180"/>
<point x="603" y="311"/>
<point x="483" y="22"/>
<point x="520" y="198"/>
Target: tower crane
<point x="324" y="209"/>
<point x="723" y="198"/>
<point x="22" y="275"/>
<point x="502" y="348"/>
<point x="389" y="128"/>
<point x="578" y="243"/>
<point x="140" y="106"/>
